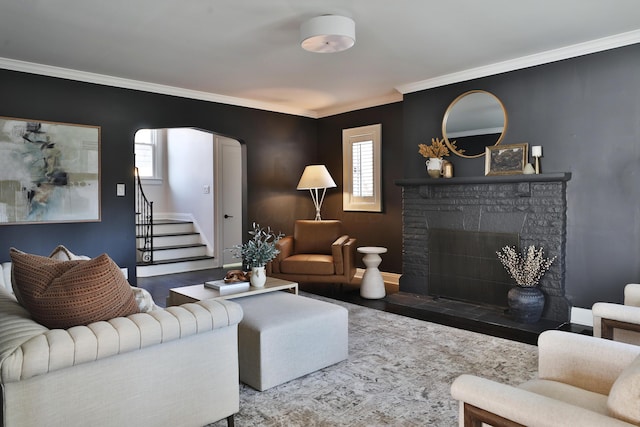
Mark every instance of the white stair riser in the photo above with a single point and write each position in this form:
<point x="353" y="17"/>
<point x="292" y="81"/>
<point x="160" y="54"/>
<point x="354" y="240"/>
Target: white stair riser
<point x="181" y="239"/>
<point x="179" y="267"/>
<point x="172" y="228"/>
<point x="161" y="255"/>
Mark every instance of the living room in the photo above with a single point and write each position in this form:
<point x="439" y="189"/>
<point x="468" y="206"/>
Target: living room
<point x="583" y="110"/>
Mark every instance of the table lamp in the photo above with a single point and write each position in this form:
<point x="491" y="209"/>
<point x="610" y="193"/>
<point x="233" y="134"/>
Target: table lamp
<point x="536" y="151"/>
<point x="315" y="178"/>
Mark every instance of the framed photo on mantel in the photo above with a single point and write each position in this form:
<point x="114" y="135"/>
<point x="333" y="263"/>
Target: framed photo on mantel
<point x="506" y="159"/>
<point x="49" y="172"/>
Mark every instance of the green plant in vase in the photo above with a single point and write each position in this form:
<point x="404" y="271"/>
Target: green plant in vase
<point x="259" y="250"/>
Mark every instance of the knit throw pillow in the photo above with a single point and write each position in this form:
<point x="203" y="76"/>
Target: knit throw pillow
<point x="60" y="253"/>
<point x="62" y="294"/>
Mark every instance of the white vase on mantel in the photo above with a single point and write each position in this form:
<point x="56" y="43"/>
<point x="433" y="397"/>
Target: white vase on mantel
<point x="258" y="277"/>
<point x="434" y="167"/>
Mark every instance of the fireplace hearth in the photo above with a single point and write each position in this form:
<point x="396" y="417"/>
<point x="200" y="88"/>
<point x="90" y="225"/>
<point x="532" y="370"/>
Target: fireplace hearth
<point x="531" y="208"/>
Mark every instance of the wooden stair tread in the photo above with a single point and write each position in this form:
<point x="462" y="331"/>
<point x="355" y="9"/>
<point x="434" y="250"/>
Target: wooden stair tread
<point x="185" y="233"/>
<point x="165" y="248"/>
<point x="171" y="221"/>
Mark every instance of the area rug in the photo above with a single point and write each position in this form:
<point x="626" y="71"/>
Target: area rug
<point x="399" y="373"/>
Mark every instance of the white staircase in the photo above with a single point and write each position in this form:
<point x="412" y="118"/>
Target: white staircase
<point x="177" y="248"/>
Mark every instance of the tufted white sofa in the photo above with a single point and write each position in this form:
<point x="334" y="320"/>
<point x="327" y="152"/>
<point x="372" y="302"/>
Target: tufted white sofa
<point x="173" y="367"/>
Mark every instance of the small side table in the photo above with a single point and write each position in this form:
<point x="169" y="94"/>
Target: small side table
<point x="372" y="286"/>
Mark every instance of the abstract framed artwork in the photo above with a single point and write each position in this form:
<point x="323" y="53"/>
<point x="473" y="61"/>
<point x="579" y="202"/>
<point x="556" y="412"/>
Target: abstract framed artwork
<point x="506" y="159"/>
<point x="49" y="172"/>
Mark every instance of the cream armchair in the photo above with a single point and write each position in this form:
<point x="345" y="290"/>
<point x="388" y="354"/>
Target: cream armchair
<point x="318" y="251"/>
<point x="619" y="322"/>
<point x="582" y="381"/>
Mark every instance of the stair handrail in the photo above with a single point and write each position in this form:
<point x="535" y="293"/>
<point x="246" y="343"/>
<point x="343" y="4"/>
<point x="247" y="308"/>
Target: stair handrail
<point x="144" y="221"/>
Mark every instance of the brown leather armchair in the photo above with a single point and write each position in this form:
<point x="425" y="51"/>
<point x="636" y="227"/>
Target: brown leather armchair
<point x="318" y="251"/>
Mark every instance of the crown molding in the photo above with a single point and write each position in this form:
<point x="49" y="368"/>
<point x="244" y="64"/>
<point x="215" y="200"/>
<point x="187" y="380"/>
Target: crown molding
<point x="606" y="43"/>
<point x="359" y="105"/>
<point x="580" y="49"/>
<point x="105" y="80"/>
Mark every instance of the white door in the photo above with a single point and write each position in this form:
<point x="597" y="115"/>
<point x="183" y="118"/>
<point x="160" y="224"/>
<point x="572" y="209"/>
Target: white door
<point x="229" y="186"/>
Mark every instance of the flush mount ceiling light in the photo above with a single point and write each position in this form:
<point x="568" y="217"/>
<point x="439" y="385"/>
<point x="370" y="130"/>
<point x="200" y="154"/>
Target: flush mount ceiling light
<point x="328" y="34"/>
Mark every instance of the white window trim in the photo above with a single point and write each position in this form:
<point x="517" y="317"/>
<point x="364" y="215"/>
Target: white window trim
<point x="151" y="181"/>
<point x="350" y="137"/>
<point x="158" y="137"/>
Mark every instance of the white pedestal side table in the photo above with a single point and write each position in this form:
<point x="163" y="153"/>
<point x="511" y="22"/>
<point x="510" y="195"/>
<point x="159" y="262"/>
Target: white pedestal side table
<point x="372" y="286"/>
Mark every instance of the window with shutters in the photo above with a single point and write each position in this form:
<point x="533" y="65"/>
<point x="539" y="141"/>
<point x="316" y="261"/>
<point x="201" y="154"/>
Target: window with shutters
<point x="361" y="149"/>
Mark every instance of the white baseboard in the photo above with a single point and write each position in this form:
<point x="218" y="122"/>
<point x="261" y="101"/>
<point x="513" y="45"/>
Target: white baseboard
<point x="581" y="316"/>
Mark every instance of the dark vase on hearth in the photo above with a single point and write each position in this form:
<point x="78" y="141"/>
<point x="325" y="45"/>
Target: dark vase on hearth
<point x="525" y="303"/>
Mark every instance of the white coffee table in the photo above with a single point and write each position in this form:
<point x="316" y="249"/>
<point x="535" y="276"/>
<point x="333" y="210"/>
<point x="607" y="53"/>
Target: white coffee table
<point x="194" y="293"/>
<point x="372" y="286"/>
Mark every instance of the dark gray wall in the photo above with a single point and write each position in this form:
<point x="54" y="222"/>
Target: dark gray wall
<point x="585" y="112"/>
<point x="277" y="147"/>
<point x="370" y="228"/>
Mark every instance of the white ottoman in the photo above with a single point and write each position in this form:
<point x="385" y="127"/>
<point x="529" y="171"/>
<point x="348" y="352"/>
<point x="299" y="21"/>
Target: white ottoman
<point x="283" y="336"/>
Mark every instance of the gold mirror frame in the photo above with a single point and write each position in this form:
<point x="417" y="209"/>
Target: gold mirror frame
<point x="447" y="116"/>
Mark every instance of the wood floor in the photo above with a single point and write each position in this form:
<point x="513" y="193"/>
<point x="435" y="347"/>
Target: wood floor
<point x="158" y="286"/>
<point x="486" y="320"/>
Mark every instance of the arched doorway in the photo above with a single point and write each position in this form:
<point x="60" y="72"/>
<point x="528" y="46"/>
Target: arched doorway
<point x="194" y="178"/>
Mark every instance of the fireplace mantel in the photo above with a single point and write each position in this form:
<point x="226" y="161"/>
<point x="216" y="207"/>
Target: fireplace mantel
<point x="494" y="179"/>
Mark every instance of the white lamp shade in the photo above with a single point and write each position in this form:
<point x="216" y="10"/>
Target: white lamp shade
<point x="536" y="151"/>
<point x="328" y="34"/>
<point x="315" y="176"/>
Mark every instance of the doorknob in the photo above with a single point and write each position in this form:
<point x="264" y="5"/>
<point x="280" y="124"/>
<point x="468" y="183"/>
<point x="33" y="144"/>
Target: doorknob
<point x="228" y="216"/>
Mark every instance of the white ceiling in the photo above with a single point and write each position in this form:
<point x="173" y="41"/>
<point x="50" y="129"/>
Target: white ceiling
<point x="247" y="52"/>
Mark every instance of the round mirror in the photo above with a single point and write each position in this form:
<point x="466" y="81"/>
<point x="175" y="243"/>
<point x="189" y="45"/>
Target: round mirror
<point x="474" y="120"/>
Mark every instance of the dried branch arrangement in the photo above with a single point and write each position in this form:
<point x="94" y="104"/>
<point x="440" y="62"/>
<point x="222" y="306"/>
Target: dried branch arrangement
<point x="437" y="149"/>
<point x="526" y="269"/>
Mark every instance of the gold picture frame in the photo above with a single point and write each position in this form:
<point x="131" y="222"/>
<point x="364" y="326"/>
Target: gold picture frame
<point x="506" y="159"/>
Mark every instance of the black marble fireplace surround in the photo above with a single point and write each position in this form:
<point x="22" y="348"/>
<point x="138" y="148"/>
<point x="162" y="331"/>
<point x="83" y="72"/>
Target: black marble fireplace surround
<point x="532" y="207"/>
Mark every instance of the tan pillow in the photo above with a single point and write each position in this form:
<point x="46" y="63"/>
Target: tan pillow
<point x="625" y="394"/>
<point x="62" y="294"/>
<point x="144" y="300"/>
<point x="64" y="254"/>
